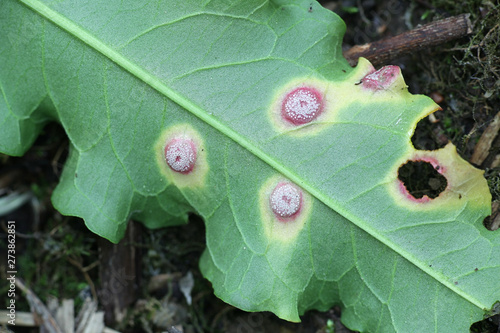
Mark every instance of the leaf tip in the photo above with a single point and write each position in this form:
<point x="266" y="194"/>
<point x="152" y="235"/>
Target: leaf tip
<point x="387" y="77"/>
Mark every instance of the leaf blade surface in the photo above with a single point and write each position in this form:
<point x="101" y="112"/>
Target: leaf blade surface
<point x="132" y="84"/>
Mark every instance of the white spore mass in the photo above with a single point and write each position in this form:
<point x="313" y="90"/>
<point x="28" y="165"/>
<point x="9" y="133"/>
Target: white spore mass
<point x="180" y="155"/>
<point x="285" y="200"/>
<point x="301" y="106"/>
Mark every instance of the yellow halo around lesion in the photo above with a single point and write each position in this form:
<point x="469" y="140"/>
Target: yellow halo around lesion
<point x="336" y="98"/>
<point x="315" y="126"/>
<point x="274" y="228"/>
<point x="465" y="184"/>
<point x="197" y="176"/>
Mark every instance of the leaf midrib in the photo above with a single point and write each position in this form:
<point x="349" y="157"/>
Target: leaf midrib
<point x="96" y="44"/>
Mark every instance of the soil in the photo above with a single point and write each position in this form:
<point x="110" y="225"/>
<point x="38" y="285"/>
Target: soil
<point x="58" y="257"/>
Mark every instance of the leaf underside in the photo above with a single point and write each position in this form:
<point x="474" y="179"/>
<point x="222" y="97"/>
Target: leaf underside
<point x="124" y="78"/>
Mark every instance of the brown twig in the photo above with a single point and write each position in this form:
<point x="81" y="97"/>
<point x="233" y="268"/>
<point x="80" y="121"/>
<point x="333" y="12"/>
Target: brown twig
<point x="429" y="35"/>
<point x="48" y="323"/>
<point x="120" y="268"/>
<point x="86" y="275"/>
<point x="483" y="146"/>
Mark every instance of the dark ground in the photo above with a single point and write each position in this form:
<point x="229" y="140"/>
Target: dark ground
<point x="58" y="257"/>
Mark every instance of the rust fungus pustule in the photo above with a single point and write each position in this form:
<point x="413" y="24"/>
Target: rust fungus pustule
<point x="285" y="201"/>
<point x="284" y="208"/>
<point x="180" y="155"/>
<point x="381" y="79"/>
<point x="302" y="105"/>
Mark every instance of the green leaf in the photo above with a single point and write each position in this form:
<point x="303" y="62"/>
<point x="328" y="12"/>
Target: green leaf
<point x="129" y="79"/>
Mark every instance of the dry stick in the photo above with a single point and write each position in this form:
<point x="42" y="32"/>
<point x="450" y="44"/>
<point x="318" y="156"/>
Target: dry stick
<point x="432" y="34"/>
<point x="483" y="146"/>
<point x="48" y="323"/>
<point x="84" y="270"/>
<point x="120" y="270"/>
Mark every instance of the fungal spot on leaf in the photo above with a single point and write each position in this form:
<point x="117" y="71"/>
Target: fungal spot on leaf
<point x="305" y="106"/>
<point x="180" y="155"/>
<point x="381" y="79"/>
<point x="284" y="209"/>
<point x="422" y="180"/>
<point x="301" y="106"/>
<point x="285" y="200"/>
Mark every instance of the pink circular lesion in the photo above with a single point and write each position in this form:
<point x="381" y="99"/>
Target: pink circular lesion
<point x="180" y="155"/>
<point x="285" y="201"/>
<point x="381" y="79"/>
<point x="302" y="105"/>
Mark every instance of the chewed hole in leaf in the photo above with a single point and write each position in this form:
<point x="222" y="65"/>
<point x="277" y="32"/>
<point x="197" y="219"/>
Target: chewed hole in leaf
<point x="492" y="222"/>
<point x="423" y="141"/>
<point x="421" y="179"/>
<point x="285" y="200"/>
<point x="180" y="155"/>
<point x="301" y="106"/>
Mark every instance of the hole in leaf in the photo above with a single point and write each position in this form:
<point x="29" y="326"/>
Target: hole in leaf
<point x="420" y="178"/>
<point x="492" y="222"/>
<point x="428" y="135"/>
<point x="487" y="222"/>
